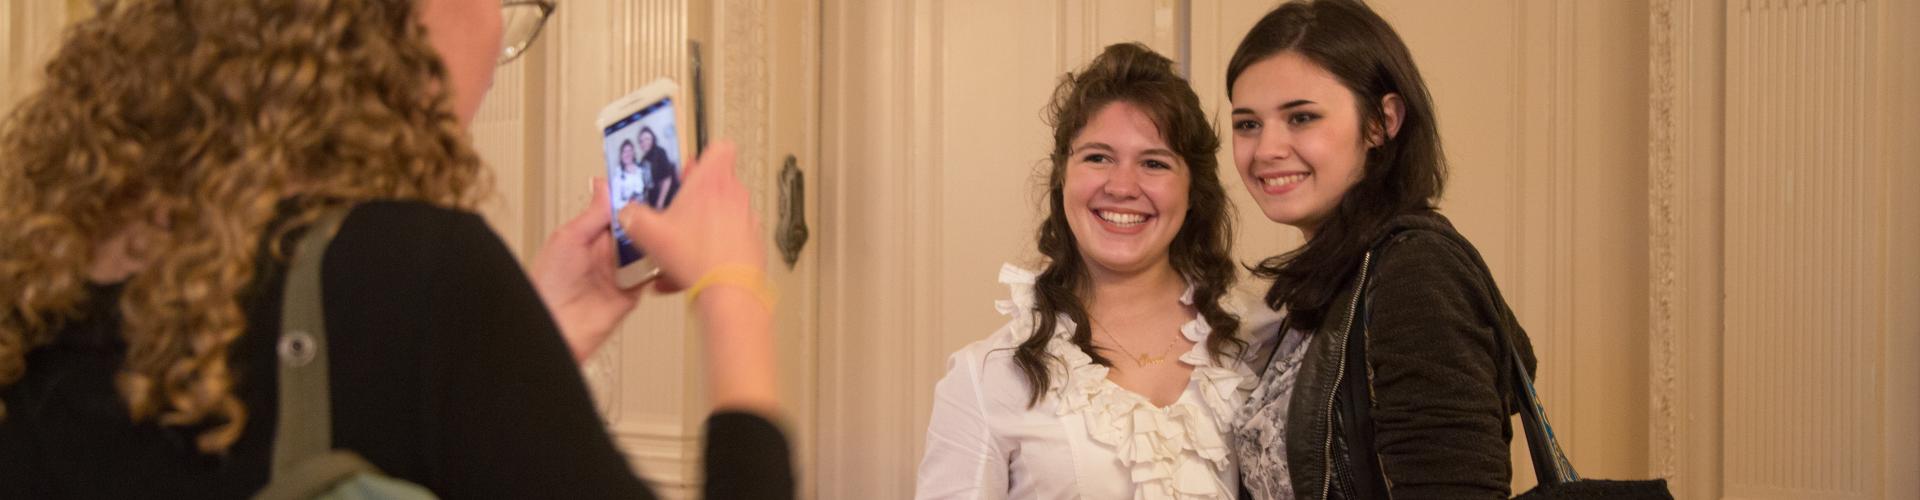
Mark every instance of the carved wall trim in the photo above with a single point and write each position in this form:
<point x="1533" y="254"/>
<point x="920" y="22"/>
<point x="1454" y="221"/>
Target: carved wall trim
<point x="1664" y="449"/>
<point x="1685" y="188"/>
<point x="741" y="77"/>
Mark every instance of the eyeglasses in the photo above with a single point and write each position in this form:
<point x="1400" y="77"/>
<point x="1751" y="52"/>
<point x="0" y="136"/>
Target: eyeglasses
<point x="521" y="21"/>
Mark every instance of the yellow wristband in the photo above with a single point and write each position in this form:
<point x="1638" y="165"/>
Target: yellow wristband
<point x="746" y="278"/>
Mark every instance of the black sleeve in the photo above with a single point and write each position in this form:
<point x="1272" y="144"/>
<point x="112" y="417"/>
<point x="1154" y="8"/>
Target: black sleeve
<point x="514" y="416"/>
<point x="18" y="479"/>
<point x="747" y="458"/>
<point x="1440" y="422"/>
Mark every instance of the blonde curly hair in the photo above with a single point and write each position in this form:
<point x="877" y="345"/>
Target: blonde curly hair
<point x="182" y="125"/>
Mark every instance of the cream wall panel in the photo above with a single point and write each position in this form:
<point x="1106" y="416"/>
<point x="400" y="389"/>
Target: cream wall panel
<point x="32" y="33"/>
<point x="1901" y="345"/>
<point x="15" y="76"/>
<point x="1606" y="399"/>
<point x="1803" y="256"/>
<point x="867" y="348"/>
<point x="500" y="134"/>
<point x="1789" y="374"/>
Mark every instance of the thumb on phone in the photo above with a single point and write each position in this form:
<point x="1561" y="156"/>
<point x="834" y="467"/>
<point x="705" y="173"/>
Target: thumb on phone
<point x="651" y="232"/>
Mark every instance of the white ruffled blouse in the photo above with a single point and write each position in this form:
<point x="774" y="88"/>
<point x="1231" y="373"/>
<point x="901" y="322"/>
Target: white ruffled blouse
<point x="1089" y="438"/>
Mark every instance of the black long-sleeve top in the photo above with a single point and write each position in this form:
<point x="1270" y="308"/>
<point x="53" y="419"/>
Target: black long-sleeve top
<point x="446" y="370"/>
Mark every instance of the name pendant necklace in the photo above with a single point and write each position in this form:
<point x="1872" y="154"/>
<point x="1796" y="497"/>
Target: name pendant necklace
<point x="1142" y="360"/>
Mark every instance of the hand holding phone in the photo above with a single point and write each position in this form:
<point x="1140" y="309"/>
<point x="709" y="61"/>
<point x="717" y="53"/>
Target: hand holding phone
<point x="642" y="142"/>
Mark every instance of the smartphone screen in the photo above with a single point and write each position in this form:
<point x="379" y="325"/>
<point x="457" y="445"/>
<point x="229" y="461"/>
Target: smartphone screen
<point x="643" y="166"/>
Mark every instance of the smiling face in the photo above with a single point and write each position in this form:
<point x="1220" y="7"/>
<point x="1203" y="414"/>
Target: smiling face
<point x="1125" y="192"/>
<point x="1297" y="139"/>
<point x="628" y="158"/>
<point x="646" y="140"/>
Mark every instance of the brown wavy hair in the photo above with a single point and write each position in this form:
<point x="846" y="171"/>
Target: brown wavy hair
<point x="182" y="125"/>
<point x="1200" y="252"/>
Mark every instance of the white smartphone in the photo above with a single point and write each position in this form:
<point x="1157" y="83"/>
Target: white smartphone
<point x="643" y="148"/>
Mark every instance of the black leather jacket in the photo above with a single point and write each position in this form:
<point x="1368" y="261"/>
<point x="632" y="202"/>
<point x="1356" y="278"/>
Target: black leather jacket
<point x="1438" y="376"/>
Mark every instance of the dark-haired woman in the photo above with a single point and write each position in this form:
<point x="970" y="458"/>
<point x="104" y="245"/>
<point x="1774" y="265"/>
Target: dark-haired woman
<point x="662" y="176"/>
<point x="1334" y="134"/>
<point x="1117" y="373"/>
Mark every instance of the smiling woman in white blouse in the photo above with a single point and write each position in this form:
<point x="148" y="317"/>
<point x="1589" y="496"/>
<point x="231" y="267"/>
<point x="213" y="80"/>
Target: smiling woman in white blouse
<point x="1117" y="373"/>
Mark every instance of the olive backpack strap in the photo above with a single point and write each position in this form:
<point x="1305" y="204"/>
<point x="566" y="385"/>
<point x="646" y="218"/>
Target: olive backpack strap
<point x="305" y="427"/>
<point x="305" y="465"/>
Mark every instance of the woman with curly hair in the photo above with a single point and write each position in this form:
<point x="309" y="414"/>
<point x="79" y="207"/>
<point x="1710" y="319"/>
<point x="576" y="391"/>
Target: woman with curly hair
<point x="1118" y="372"/>
<point x="153" y="188"/>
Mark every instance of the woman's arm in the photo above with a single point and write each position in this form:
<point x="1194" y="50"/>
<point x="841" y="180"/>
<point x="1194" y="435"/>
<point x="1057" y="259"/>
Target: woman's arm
<point x="1439" y="417"/>
<point x="963" y="461"/>
<point x="710" y="241"/>
<point x="710" y="238"/>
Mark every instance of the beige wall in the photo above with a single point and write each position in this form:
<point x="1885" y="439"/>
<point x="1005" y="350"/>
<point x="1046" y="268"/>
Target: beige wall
<point x="1783" y="184"/>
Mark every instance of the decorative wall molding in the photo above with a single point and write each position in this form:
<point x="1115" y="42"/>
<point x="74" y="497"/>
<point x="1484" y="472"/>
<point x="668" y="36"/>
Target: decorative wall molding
<point x="1665" y="448"/>
<point x="742" y="78"/>
<point x="1686" y="213"/>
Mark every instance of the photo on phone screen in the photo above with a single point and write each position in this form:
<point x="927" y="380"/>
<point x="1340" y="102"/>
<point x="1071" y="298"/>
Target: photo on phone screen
<point x="643" y="166"/>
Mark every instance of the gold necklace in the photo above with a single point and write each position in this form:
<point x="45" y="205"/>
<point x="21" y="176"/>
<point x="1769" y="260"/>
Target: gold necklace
<point x="1141" y="360"/>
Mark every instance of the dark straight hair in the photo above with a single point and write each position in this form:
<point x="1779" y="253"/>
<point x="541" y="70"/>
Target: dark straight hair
<point x="1405" y="173"/>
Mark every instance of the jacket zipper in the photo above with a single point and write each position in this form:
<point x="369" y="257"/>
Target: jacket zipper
<point x="1326" y="479"/>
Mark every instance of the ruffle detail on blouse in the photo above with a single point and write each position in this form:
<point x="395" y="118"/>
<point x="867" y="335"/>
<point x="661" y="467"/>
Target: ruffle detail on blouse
<point x="1176" y="452"/>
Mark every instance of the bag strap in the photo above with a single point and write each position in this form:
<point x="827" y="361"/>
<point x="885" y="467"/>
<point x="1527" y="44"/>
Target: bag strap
<point x="305" y="428"/>
<point x="1550" y="464"/>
